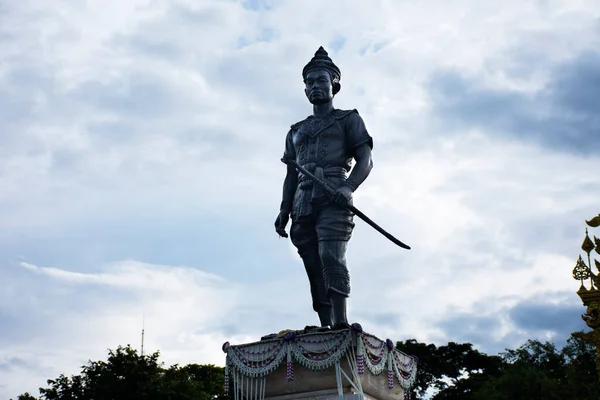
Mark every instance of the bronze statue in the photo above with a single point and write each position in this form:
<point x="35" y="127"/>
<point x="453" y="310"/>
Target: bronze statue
<point x="324" y="145"/>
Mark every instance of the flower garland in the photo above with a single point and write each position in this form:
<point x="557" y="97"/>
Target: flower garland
<point x="319" y="351"/>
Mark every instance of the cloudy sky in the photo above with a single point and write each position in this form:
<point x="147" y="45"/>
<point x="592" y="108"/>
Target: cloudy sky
<point x="140" y="175"/>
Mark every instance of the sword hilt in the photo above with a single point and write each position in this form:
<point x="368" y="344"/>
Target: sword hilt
<point x="313" y="178"/>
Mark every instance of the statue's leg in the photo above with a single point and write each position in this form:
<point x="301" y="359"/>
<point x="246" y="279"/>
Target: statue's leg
<point x="337" y="278"/>
<point x="304" y="238"/>
<point x="334" y="230"/>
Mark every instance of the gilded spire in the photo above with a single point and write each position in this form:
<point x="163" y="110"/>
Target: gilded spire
<point x="587" y="244"/>
<point x="594" y="222"/>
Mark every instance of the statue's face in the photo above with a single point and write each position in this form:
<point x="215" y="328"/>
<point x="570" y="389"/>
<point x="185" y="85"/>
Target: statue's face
<point x="318" y="87"/>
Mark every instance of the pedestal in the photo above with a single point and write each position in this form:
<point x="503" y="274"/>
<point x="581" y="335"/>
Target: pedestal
<point x="348" y="364"/>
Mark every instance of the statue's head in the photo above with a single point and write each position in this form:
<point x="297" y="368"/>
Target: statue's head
<point x="321" y="78"/>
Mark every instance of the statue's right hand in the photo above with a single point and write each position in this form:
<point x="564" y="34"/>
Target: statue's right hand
<point x="281" y="222"/>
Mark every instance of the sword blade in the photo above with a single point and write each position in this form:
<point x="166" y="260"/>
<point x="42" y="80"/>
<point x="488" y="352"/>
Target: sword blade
<point x="350" y="207"/>
<point x="379" y="229"/>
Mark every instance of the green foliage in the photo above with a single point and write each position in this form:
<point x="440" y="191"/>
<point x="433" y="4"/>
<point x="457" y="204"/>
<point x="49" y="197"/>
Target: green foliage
<point x="125" y="375"/>
<point x="535" y="370"/>
<point x="26" y="396"/>
<point x="454" y="370"/>
<point x="539" y="371"/>
<point x="520" y="381"/>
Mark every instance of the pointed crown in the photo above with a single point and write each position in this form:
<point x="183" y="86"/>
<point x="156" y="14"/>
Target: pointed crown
<point x="321" y="60"/>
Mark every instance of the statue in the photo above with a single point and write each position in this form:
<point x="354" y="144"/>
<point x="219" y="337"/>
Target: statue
<point x="324" y="144"/>
<point x="317" y="196"/>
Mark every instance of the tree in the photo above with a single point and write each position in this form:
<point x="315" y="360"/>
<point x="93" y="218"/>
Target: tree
<point x="193" y="381"/>
<point x="581" y="376"/>
<point x="535" y="370"/>
<point x="26" y="396"/>
<point x="539" y="371"/>
<point x="125" y="375"/>
<point x="454" y="370"/>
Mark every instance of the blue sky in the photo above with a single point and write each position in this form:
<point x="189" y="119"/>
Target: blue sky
<point x="140" y="173"/>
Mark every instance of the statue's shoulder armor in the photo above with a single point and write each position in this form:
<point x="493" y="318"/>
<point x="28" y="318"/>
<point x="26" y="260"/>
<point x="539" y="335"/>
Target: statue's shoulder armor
<point x="299" y="124"/>
<point x="336" y="114"/>
<point x="339" y="114"/>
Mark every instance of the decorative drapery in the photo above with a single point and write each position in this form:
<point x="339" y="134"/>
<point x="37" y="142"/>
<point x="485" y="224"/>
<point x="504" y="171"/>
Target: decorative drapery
<point x="248" y="365"/>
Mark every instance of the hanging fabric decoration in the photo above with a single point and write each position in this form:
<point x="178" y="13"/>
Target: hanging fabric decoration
<point x="289" y="368"/>
<point x="360" y="358"/>
<point x="390" y="359"/>
<point x="225" y="349"/>
<point x="248" y="365"/>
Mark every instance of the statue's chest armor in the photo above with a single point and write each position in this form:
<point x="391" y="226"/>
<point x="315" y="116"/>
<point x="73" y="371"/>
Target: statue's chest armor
<point x="319" y="140"/>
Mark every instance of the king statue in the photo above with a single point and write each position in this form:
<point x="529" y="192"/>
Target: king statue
<point x="324" y="144"/>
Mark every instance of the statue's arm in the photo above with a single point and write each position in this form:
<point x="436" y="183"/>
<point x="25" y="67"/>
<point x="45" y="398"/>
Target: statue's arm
<point x="362" y="168"/>
<point x="290" y="183"/>
<point x="361" y="144"/>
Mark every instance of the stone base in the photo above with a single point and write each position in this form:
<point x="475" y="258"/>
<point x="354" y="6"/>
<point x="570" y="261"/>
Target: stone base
<point x="261" y="370"/>
<point x="322" y="385"/>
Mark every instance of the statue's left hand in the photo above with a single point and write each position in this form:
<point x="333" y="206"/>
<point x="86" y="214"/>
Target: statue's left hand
<point x="343" y="194"/>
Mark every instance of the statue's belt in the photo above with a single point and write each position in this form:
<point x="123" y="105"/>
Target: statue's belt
<point x="305" y="183"/>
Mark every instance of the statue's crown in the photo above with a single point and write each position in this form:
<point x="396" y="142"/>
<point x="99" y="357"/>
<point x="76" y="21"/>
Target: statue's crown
<point x="321" y="60"/>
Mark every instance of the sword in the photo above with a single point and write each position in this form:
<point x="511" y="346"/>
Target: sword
<point x="330" y="191"/>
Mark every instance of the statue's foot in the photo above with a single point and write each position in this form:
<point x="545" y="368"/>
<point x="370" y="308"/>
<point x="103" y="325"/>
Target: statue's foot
<point x="340" y="326"/>
<point x="307" y="329"/>
<point x="314" y="328"/>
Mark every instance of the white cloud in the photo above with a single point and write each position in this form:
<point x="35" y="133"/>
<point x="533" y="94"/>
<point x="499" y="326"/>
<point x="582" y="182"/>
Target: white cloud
<point x="181" y="308"/>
